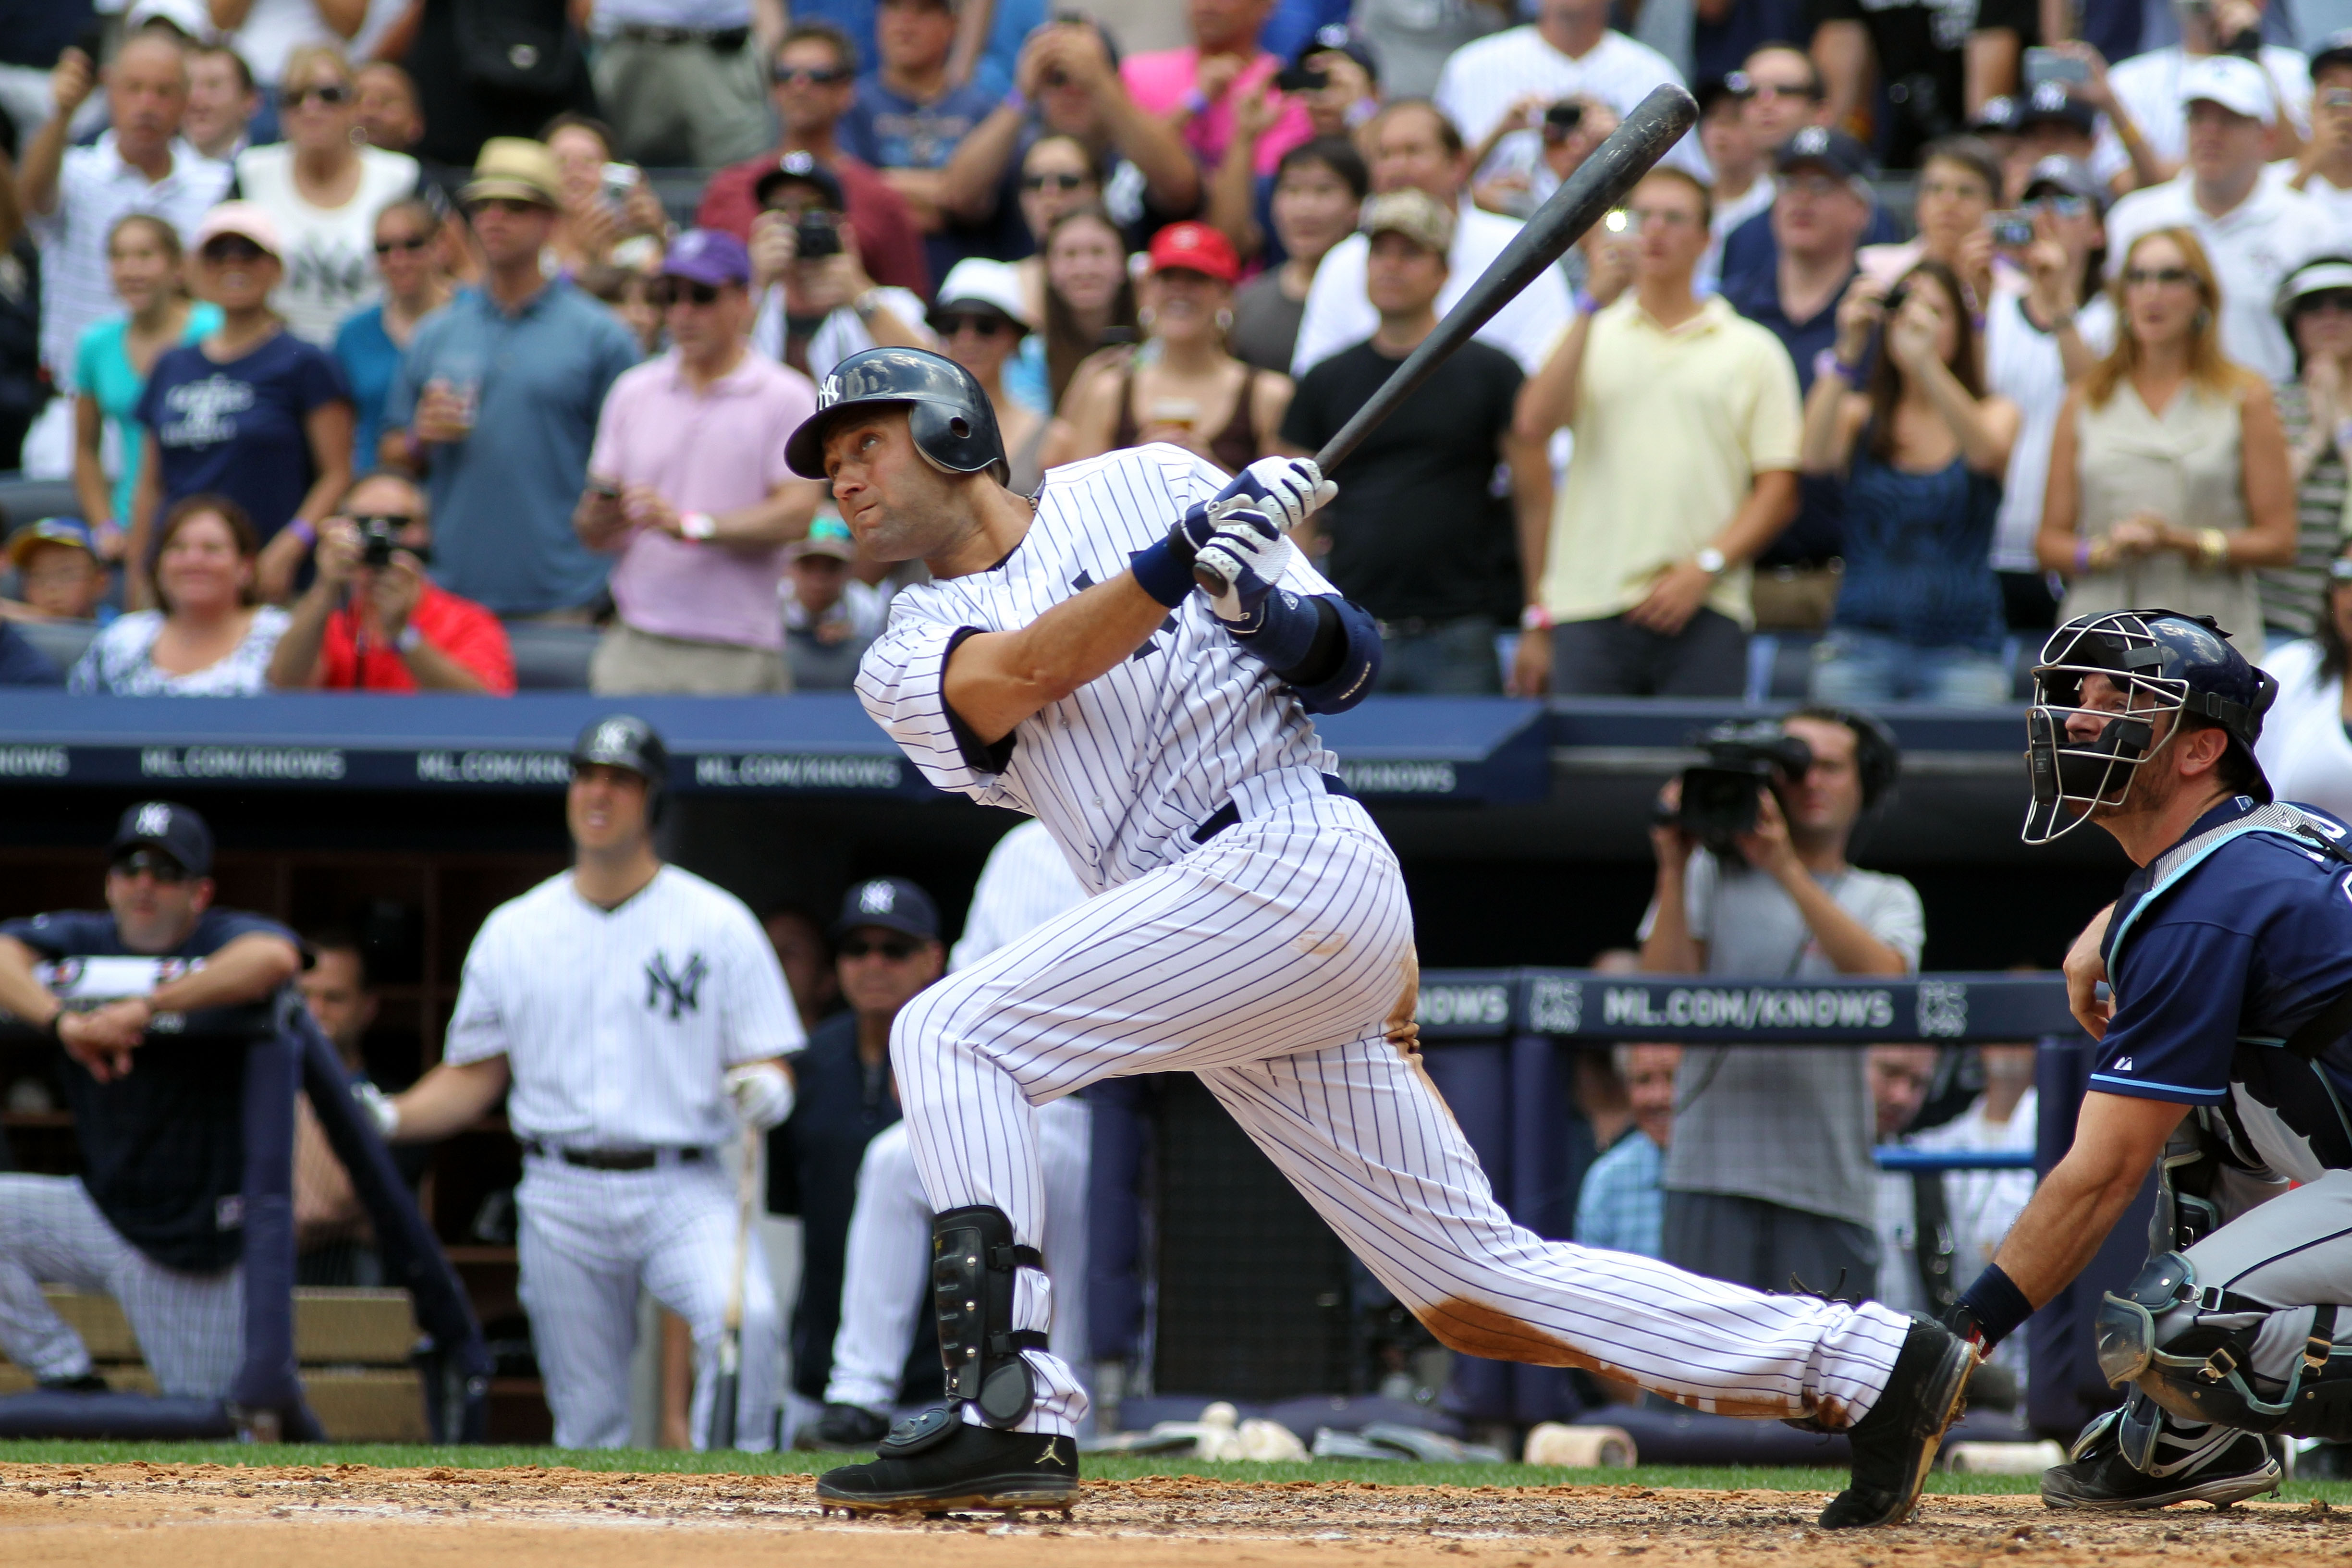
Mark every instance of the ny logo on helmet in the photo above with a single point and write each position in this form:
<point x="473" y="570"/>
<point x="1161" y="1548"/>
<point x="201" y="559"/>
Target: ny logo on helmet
<point x="613" y="735"/>
<point x="154" y="820"/>
<point x="878" y="897"/>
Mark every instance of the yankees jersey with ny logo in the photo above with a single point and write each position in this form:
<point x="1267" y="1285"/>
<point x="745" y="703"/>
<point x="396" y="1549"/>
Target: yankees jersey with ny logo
<point x="1125" y="768"/>
<point x="617" y="1023"/>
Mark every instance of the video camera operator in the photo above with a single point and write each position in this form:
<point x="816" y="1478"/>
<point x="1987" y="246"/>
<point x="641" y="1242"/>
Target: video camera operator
<point x="1768" y="1173"/>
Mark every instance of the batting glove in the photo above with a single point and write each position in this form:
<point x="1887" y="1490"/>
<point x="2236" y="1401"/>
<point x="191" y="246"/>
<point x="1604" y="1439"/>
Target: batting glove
<point x="1249" y="553"/>
<point x="1285" y="489"/>
<point x="378" y="1107"/>
<point x="763" y="1093"/>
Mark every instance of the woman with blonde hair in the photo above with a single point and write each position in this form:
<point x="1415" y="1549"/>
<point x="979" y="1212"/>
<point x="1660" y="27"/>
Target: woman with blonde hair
<point x="323" y="186"/>
<point x="2168" y="474"/>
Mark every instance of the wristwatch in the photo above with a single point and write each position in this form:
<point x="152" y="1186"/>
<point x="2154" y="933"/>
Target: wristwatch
<point x="1710" y="561"/>
<point x="408" y="638"/>
<point x="697" y="525"/>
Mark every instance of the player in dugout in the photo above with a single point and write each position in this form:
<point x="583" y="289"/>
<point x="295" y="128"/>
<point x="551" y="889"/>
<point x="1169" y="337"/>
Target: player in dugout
<point x="154" y="1218"/>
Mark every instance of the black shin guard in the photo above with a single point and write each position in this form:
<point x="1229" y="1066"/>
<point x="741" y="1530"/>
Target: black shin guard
<point x="973" y="1258"/>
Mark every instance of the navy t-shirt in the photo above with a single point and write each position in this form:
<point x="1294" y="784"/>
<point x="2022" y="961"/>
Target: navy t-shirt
<point x="236" y="429"/>
<point x="890" y="130"/>
<point x="2216" y="973"/>
<point x="162" y="1149"/>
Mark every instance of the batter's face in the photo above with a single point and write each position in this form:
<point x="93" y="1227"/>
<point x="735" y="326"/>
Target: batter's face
<point x="898" y="506"/>
<point x="153" y="913"/>
<point x="605" y="808"/>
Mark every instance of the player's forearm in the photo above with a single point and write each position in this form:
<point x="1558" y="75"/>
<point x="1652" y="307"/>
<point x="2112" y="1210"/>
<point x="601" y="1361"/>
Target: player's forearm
<point x="449" y="1098"/>
<point x="995" y="681"/>
<point x="2117" y="1141"/>
<point x="22" y="996"/>
<point x="246" y="970"/>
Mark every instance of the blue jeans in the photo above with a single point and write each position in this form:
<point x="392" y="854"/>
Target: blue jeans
<point x="1451" y="658"/>
<point x="1863" y="670"/>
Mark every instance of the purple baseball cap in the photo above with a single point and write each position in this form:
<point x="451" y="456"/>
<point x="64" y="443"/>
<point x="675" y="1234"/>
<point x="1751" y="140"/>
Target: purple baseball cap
<point x="707" y="256"/>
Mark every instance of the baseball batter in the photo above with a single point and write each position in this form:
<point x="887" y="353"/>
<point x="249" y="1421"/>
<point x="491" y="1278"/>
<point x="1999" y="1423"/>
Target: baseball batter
<point x="633" y="1015"/>
<point x="1248" y="924"/>
<point x="1025" y="884"/>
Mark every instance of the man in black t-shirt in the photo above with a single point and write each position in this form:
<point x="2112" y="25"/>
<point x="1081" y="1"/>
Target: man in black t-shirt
<point x="155" y="1219"/>
<point x="1421" y="534"/>
<point x="1922" y="52"/>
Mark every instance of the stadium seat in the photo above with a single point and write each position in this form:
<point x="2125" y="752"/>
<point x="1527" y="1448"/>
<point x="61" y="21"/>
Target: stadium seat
<point x="551" y="658"/>
<point x="23" y="500"/>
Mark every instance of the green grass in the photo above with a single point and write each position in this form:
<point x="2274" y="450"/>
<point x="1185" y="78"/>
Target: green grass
<point x="1099" y="1466"/>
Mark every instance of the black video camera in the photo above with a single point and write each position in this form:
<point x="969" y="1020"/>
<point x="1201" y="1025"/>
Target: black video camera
<point x="1720" y="796"/>
<point x="816" y="234"/>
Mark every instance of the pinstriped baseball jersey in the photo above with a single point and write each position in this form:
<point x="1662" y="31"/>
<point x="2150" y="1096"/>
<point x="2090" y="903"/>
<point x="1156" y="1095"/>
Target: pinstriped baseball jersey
<point x="618" y="1024"/>
<point x="1123" y="769"/>
<point x="1025" y="883"/>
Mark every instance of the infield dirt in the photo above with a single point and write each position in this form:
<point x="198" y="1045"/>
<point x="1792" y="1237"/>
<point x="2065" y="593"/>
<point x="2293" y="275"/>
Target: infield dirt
<point x="213" y="1516"/>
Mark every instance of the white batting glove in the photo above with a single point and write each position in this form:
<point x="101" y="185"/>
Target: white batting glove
<point x="378" y="1107"/>
<point x="1248" y="553"/>
<point x="763" y="1093"/>
<point x="1287" y="489"/>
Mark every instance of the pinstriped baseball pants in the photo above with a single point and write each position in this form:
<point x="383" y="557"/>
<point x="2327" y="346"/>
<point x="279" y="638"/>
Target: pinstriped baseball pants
<point x="191" y="1327"/>
<point x="1267" y="961"/>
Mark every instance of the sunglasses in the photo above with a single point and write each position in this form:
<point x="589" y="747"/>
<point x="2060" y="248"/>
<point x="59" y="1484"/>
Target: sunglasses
<point x="2063" y="207"/>
<point x="2336" y="98"/>
<point x="2326" y="300"/>
<point x="2135" y="275"/>
<point x="513" y="206"/>
<point x="980" y="323"/>
<point x="1059" y="181"/>
<point x="231" y="247"/>
<point x="334" y="94"/>
<point x="163" y="867"/>
<point x="663" y="292"/>
<point x="406" y="246"/>
<point x="895" y="949"/>
<point x="811" y="75"/>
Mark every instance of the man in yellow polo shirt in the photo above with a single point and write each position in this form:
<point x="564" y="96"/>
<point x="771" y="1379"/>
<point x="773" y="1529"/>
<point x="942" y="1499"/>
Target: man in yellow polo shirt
<point x="1687" y="421"/>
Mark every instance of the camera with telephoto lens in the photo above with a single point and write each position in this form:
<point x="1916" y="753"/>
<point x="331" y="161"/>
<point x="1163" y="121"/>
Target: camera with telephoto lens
<point x="1719" y="796"/>
<point x="815" y="235"/>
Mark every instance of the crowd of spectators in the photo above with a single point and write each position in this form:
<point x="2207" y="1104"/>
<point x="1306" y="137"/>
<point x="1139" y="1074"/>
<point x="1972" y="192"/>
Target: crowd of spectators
<point x="260" y="248"/>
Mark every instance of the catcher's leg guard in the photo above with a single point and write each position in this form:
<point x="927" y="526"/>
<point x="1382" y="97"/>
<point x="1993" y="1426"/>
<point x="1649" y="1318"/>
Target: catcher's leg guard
<point x="973" y="1256"/>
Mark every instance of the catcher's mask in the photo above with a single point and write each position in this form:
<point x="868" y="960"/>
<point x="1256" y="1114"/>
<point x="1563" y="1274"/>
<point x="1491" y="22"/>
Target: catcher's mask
<point x="2157" y="665"/>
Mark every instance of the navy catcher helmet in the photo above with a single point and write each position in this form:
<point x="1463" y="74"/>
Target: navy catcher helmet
<point x="625" y="740"/>
<point x="2160" y="662"/>
<point x="948" y="413"/>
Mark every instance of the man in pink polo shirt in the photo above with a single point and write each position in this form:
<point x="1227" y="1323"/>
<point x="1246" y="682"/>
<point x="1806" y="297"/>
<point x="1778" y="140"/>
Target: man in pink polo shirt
<point x="1195" y="88"/>
<point x="688" y="482"/>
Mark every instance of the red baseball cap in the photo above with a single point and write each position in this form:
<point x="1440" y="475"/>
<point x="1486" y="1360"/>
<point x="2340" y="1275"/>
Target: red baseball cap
<point x="1195" y="247"/>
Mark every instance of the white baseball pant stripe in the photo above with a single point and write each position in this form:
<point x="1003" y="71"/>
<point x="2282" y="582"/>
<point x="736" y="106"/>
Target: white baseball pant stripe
<point x="884" y="1289"/>
<point x="191" y="1327"/>
<point x="588" y="1240"/>
<point x="1265" y="962"/>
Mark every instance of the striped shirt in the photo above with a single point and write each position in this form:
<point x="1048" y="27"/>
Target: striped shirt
<point x="1025" y="883"/>
<point x="2293" y="595"/>
<point x="1125" y="767"/>
<point x="617" y="1023"/>
<point x="95" y="188"/>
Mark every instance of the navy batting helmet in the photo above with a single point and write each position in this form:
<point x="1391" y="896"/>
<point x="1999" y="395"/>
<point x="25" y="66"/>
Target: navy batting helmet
<point x="2160" y="662"/>
<point x="948" y="413"/>
<point x="625" y="740"/>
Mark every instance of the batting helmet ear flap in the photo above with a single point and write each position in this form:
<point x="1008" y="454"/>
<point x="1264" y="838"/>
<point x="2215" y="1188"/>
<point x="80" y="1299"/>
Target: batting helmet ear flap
<point x="959" y="440"/>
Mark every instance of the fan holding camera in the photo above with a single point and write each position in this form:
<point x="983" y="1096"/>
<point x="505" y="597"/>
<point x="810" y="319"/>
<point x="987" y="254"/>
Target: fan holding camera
<point x="816" y="304"/>
<point x="1768" y="1173"/>
<point x="372" y="620"/>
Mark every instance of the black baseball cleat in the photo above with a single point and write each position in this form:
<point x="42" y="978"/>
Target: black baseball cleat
<point x="937" y="1462"/>
<point x="2208" y="1464"/>
<point x="1897" y="1442"/>
<point x="843" y="1429"/>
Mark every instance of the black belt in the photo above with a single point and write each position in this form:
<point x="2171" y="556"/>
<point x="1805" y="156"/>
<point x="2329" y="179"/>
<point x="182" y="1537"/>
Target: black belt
<point x="1227" y="815"/>
<point x="613" y="1158"/>
<point x="725" y="41"/>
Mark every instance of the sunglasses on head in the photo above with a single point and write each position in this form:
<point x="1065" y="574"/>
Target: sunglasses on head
<point x="332" y="93"/>
<point x="2135" y="275"/>
<point x="983" y="323"/>
<point x="893" y="948"/>
<point x="813" y="76"/>
<point x="163" y="867"/>
<point x="411" y="245"/>
<point x="232" y="247"/>
<point x="663" y="292"/>
<point x="1059" y="180"/>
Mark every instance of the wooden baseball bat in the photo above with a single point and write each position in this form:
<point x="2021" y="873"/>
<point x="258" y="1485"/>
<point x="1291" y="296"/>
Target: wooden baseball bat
<point x="727" y="1380"/>
<point x="1598" y="185"/>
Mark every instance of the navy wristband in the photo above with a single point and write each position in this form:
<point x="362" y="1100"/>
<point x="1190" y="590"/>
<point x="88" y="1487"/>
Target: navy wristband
<point x="1161" y="572"/>
<point x="1996" y="1304"/>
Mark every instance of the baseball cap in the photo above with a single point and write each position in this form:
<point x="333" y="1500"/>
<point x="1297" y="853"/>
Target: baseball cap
<point x="191" y="18"/>
<point x="1829" y="148"/>
<point x="247" y="220"/>
<point x="2336" y="49"/>
<point x="1195" y="247"/>
<point x="1999" y="116"/>
<point x="976" y="280"/>
<point x="707" y="256"/>
<point x="826" y="536"/>
<point x="2319" y="276"/>
<point x="2237" y="84"/>
<point x="2067" y="176"/>
<point x="50" y="530"/>
<point x="2049" y="101"/>
<point x="891" y="902"/>
<point x="171" y="827"/>
<point x="1337" y="38"/>
<point x="801" y="166"/>
<point x="513" y="168"/>
<point x="1411" y="212"/>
